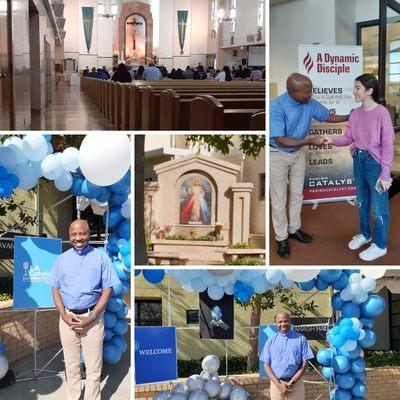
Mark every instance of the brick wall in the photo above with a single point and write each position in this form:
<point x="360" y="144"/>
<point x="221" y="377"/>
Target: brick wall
<point x="16" y="330"/>
<point x="383" y="383"/>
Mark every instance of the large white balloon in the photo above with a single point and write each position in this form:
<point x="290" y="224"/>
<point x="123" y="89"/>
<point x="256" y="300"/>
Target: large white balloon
<point x="3" y="365"/>
<point x="35" y="146"/>
<point x="301" y="275"/>
<point x="105" y="158"/>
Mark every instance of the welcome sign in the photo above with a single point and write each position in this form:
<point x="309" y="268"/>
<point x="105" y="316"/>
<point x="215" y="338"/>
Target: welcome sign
<point x="155" y="354"/>
<point x="33" y="260"/>
<point x="332" y="69"/>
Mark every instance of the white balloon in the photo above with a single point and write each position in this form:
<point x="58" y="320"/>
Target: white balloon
<point x="64" y="182"/>
<point x="26" y="175"/>
<point x="205" y="375"/>
<point x="225" y="392"/>
<point x="70" y="159"/>
<point x="355" y="278"/>
<point x="368" y="284"/>
<point x="373" y="273"/>
<point x="52" y="167"/>
<point x="350" y="345"/>
<point x="212" y="388"/>
<point x="301" y="275"/>
<point x="105" y="158"/>
<point x="195" y="383"/>
<point x="210" y="364"/>
<point x="198" y="395"/>
<point x="35" y="147"/>
<point x="3" y="365"/>
<point x="239" y="393"/>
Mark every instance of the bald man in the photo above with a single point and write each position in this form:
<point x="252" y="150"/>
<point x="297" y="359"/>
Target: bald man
<point x="82" y="279"/>
<point x="285" y="356"/>
<point x="290" y="119"/>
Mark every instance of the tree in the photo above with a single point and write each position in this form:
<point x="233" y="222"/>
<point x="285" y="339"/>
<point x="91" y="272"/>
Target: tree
<point x="250" y="145"/>
<point x="268" y="301"/>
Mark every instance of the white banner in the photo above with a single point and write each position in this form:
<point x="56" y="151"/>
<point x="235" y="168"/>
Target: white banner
<point x="332" y="70"/>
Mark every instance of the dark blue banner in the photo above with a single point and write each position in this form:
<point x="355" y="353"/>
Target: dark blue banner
<point x="155" y="354"/>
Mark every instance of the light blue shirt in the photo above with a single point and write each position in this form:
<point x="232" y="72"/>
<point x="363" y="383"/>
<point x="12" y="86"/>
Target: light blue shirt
<point x="152" y="74"/>
<point x="289" y="118"/>
<point x="285" y="353"/>
<point x="81" y="277"/>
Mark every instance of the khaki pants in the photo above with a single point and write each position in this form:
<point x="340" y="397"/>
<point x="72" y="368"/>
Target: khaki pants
<point x="298" y="392"/>
<point x="284" y="166"/>
<point x="91" y="341"/>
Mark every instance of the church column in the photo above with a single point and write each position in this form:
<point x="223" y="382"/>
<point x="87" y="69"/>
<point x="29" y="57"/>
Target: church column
<point x="241" y="193"/>
<point x="107" y="6"/>
<point x="150" y="207"/>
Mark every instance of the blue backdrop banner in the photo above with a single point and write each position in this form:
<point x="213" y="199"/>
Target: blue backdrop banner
<point x="33" y="260"/>
<point x="264" y="333"/>
<point x="155" y="354"/>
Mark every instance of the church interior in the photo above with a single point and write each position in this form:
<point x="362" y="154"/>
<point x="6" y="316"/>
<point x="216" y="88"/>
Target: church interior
<point x="132" y="65"/>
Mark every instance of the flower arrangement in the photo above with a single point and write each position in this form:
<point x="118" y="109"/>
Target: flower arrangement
<point x="192" y="233"/>
<point x="217" y="230"/>
<point x="163" y="231"/>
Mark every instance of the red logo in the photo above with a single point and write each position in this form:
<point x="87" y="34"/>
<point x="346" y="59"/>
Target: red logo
<point x="308" y="63"/>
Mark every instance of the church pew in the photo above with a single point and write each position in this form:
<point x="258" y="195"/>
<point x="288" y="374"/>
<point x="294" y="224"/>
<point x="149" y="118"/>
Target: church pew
<point x="257" y="121"/>
<point x="208" y="113"/>
<point x="173" y="108"/>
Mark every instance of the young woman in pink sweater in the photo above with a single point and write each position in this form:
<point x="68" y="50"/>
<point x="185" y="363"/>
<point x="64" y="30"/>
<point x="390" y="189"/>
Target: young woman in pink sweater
<point x="371" y="135"/>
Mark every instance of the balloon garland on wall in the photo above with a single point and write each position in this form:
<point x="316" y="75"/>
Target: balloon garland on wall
<point x="343" y="363"/>
<point x="99" y="171"/>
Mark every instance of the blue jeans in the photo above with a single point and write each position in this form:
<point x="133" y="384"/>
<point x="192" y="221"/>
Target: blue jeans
<point x="366" y="173"/>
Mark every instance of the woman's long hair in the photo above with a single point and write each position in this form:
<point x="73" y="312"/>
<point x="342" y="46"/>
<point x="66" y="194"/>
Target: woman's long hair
<point x="370" y="82"/>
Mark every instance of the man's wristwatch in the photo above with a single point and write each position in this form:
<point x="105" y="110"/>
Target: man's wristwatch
<point x="292" y="382"/>
<point x="93" y="315"/>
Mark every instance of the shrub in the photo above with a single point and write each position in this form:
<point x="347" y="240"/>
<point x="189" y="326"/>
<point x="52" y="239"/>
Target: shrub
<point x="6" y="288"/>
<point x="178" y="236"/>
<point x="240" y="246"/>
<point x="382" y="358"/>
<point x="247" y="261"/>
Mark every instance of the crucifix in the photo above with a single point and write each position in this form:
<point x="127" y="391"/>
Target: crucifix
<point x="134" y="23"/>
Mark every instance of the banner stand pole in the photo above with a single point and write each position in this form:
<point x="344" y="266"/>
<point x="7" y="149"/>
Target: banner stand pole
<point x="35" y="371"/>
<point x="226" y="359"/>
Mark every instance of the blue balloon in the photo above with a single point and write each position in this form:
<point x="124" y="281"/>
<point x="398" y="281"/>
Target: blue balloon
<point x="337" y="341"/>
<point x="104" y="195"/>
<point x="341" y="283"/>
<point x="349" y="272"/>
<point x="111" y="353"/>
<point x="114" y="304"/>
<point x="117" y="289"/>
<point x="123" y="312"/>
<point x="249" y="290"/>
<point x="239" y="286"/>
<point x="345" y="381"/>
<point x="243" y="296"/>
<point x="346" y="322"/>
<point x="350" y="333"/>
<point x="109" y="319"/>
<point x="112" y="243"/>
<point x="368" y="323"/>
<point x="123" y="185"/>
<point x="108" y="335"/>
<point x="153" y="275"/>
<point x="328" y="373"/>
<point x="369" y="340"/>
<point x="137" y="272"/>
<point x="6" y="188"/>
<point x="350" y="310"/>
<point x="374" y="306"/>
<point x="342" y="394"/>
<point x="306" y="286"/>
<point x="119" y="269"/>
<point x="359" y="389"/>
<point x="362" y="376"/>
<point x="337" y="302"/>
<point x="76" y="186"/>
<point x="120" y="342"/>
<point x="64" y="182"/>
<point x="351" y="355"/>
<point x="330" y="275"/>
<point x="124" y="230"/>
<point x="118" y="199"/>
<point x="13" y="179"/>
<point x="321" y="285"/>
<point x="2" y="348"/>
<point x="125" y="250"/>
<point x="115" y="218"/>
<point x="358" y="365"/>
<point x="90" y="190"/>
<point x="120" y="327"/>
<point x="324" y="357"/>
<point x="340" y="364"/>
<point x="3" y="172"/>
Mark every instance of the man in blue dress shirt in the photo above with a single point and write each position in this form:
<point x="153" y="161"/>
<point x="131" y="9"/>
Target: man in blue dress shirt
<point x="82" y="279"/>
<point x="290" y="119"/>
<point x="285" y="356"/>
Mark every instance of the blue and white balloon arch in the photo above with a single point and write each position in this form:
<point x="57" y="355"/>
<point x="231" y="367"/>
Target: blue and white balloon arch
<point x="99" y="170"/>
<point x="342" y="363"/>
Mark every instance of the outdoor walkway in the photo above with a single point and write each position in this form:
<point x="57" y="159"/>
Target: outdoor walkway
<point x="116" y="380"/>
<point x="72" y="110"/>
